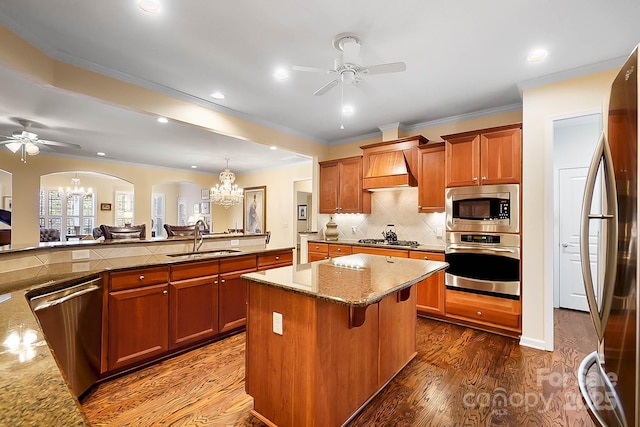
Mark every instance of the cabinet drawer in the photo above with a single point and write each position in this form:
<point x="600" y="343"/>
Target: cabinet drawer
<point x="137" y="278"/>
<point x="319" y="247"/>
<point x="399" y="253"/>
<point x="237" y="263"/>
<point x="339" y="250"/>
<point x="276" y="258"/>
<point x="483" y="309"/>
<point x="431" y="256"/>
<point x="194" y="269"/>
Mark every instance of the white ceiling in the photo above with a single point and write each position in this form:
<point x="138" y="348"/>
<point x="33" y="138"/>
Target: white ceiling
<point x="462" y="58"/>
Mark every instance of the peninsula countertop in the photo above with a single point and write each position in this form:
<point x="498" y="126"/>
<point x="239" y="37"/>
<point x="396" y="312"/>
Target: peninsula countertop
<point x="34" y="391"/>
<point x="354" y="280"/>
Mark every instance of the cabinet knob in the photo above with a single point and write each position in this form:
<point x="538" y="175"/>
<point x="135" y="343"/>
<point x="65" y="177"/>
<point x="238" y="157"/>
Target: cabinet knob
<point x="484" y="178"/>
<point x="475" y="178"/>
<point x="479" y="313"/>
<point x="165" y="292"/>
<point x="222" y="281"/>
<point x="215" y="282"/>
<point x="277" y="258"/>
<point x="141" y="278"/>
<point x="339" y="249"/>
<point x="426" y="257"/>
<point x="419" y="207"/>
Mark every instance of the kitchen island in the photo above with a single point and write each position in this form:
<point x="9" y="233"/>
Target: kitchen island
<point x="324" y="338"/>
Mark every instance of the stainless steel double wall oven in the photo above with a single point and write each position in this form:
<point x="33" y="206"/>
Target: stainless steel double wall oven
<point x="483" y="239"/>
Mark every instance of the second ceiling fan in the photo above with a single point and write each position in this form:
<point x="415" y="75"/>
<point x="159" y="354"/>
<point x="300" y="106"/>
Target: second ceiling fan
<point x="348" y="66"/>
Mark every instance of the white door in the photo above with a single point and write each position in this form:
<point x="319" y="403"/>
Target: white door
<point x="571" y="183"/>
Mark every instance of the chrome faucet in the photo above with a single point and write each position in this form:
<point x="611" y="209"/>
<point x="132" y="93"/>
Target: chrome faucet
<point x="197" y="236"/>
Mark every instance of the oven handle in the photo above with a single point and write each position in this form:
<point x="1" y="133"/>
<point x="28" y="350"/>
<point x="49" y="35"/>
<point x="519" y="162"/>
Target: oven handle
<point x="474" y="248"/>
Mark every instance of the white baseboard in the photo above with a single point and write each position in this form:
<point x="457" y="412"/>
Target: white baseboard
<point x="533" y="343"/>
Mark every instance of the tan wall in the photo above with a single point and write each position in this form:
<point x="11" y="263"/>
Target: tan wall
<point x="26" y="186"/>
<point x="541" y="105"/>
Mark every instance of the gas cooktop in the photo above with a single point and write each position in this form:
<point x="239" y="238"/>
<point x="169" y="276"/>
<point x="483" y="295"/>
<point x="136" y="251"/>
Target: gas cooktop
<point x="384" y="242"/>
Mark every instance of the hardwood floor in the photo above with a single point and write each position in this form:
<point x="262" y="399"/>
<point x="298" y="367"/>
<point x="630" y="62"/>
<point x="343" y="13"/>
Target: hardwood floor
<point x="459" y="377"/>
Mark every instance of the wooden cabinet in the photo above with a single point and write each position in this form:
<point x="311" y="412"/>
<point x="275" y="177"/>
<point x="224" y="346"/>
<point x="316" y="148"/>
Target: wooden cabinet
<point x="193" y="303"/>
<point x="336" y="250"/>
<point x="341" y="187"/>
<point x="493" y="313"/>
<point x="430" y="299"/>
<point x="488" y="156"/>
<point x="232" y="311"/>
<point x="274" y="259"/>
<point x="431" y="167"/>
<point x="399" y="253"/>
<point x="138" y="317"/>
<point x="318" y="251"/>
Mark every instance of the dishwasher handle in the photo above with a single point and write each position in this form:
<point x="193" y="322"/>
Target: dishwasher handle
<point x="64" y="295"/>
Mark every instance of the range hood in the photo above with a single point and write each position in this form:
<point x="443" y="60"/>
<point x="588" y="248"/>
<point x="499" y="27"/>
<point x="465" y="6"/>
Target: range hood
<point x="391" y="164"/>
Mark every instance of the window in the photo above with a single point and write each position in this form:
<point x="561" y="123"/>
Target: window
<point x="124" y="209"/>
<point x="70" y="215"/>
<point x="157" y="214"/>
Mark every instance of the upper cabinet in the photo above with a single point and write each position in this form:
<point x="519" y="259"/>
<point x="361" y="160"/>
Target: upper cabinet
<point x="341" y="187"/>
<point x="487" y="156"/>
<point x="431" y="178"/>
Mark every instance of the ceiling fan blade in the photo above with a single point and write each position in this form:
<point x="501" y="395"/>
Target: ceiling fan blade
<point x="392" y="67"/>
<point x="311" y="69"/>
<point x="324" y="89"/>
<point x="59" y="144"/>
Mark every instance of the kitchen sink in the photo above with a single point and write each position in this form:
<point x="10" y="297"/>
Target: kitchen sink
<point x="204" y="254"/>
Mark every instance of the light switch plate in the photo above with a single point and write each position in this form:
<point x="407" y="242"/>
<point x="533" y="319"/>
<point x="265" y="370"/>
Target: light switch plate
<point x="235" y="242"/>
<point x="277" y="323"/>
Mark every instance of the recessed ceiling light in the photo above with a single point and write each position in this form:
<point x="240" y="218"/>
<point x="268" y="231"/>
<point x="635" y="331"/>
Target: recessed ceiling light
<point x="348" y="109"/>
<point x="101" y="154"/>
<point x="194" y="167"/>
<point x="151" y="6"/>
<point x="217" y="95"/>
<point x="163" y="120"/>
<point x="281" y="74"/>
<point x="537" y="55"/>
<point x="273" y="147"/>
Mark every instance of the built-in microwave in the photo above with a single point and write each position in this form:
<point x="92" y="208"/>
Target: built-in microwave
<point x="483" y="208"/>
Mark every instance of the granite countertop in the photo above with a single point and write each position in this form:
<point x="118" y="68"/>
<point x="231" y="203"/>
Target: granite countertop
<point x="88" y="243"/>
<point x="354" y="242"/>
<point x="34" y="391"/>
<point x="354" y="280"/>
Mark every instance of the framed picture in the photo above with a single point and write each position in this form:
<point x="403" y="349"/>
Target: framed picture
<point x="196" y="208"/>
<point x="6" y="203"/>
<point x="204" y="207"/>
<point x="204" y="194"/>
<point x="105" y="206"/>
<point x="302" y="212"/>
<point x="254" y="214"/>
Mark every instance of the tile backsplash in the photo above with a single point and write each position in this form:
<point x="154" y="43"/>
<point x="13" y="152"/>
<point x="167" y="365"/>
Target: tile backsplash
<point x="398" y="207"/>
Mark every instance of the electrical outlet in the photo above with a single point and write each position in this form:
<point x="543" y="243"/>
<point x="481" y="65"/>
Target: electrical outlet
<point x="235" y="242"/>
<point x="277" y="323"/>
<point x="353" y="229"/>
<point x="439" y="231"/>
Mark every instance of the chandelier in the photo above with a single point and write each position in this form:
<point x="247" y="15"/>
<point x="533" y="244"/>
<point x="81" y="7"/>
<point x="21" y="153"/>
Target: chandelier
<point x="226" y="193"/>
<point x="76" y="191"/>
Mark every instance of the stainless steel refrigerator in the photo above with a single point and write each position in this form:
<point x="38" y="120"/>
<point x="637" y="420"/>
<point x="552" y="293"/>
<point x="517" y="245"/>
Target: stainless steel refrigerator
<point x="608" y="377"/>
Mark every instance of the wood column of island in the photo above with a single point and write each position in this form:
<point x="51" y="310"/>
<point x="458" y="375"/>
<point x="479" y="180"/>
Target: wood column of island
<point x="348" y="327"/>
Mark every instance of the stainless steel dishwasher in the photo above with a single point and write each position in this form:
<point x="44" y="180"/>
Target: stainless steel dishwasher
<point x="71" y="320"/>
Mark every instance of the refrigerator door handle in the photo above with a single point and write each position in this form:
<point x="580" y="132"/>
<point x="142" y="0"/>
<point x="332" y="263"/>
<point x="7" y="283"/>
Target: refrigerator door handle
<point x="607" y="398"/>
<point x="600" y="314"/>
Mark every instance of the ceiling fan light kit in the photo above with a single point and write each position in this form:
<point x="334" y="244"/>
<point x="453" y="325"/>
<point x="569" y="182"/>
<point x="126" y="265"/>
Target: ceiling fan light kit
<point x="348" y="65"/>
<point x="28" y="143"/>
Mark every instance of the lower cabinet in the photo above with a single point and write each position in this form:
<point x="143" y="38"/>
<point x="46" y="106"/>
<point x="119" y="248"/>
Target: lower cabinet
<point x="193" y="310"/>
<point x="138" y="325"/>
<point x="483" y="310"/>
<point x="318" y="251"/>
<point x="430" y="290"/>
<point x="154" y="311"/>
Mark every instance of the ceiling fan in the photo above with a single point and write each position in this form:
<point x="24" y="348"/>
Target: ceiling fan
<point x="348" y="66"/>
<point x="28" y="143"/>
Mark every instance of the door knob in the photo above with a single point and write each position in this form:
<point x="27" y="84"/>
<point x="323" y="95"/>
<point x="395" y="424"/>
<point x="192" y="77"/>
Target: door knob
<point x="564" y="245"/>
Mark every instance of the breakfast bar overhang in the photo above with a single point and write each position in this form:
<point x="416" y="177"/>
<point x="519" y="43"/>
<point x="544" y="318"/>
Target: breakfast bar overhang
<point x="324" y="338"/>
